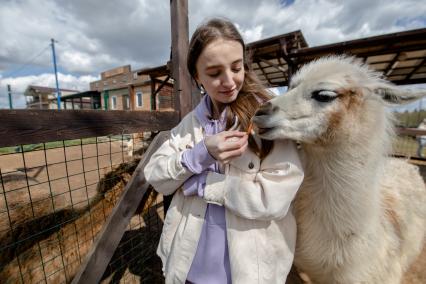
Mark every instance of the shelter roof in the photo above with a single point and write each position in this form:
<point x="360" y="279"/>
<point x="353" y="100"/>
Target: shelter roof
<point x="86" y="94"/>
<point x="159" y="71"/>
<point x="399" y="56"/>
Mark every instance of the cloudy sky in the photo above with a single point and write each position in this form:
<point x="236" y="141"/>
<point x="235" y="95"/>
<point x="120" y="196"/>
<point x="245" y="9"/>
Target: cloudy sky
<point x="94" y="35"/>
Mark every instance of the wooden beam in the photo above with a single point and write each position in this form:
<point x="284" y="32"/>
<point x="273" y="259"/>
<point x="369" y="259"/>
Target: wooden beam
<point x="180" y="43"/>
<point x="97" y="259"/>
<point x="392" y="64"/>
<point x="409" y="81"/>
<point x="279" y="68"/>
<point x="410" y="131"/>
<point x="37" y="126"/>
<point x="154" y="94"/>
<point x="131" y="90"/>
<point x="263" y="72"/>
<point x="290" y="62"/>
<point x="415" y="69"/>
<point x="152" y="98"/>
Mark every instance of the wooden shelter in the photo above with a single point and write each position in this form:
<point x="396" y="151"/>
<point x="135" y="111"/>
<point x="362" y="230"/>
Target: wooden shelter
<point x="83" y="100"/>
<point x="399" y="56"/>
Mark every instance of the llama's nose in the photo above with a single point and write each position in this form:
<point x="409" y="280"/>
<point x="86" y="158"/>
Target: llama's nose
<point x="266" y="109"/>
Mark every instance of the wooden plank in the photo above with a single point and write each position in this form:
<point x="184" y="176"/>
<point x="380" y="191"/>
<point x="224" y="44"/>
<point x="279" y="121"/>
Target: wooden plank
<point x="36" y="126"/>
<point x="180" y="43"/>
<point x="411" y="131"/>
<point x="97" y="259"/>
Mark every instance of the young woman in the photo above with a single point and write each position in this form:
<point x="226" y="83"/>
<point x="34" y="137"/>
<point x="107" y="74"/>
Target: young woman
<point x="229" y="220"/>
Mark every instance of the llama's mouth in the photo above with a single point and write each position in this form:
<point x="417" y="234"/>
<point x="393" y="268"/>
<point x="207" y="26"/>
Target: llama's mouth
<point x="262" y="130"/>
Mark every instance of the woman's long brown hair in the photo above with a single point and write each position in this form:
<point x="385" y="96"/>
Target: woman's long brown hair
<point x="252" y="93"/>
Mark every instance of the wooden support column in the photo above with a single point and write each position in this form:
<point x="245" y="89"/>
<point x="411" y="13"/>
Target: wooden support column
<point x="131" y="89"/>
<point x="153" y="93"/>
<point x="291" y="64"/>
<point x="182" y="81"/>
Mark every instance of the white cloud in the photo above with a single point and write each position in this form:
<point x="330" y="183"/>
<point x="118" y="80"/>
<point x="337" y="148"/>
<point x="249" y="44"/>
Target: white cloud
<point x="250" y="35"/>
<point x="94" y="36"/>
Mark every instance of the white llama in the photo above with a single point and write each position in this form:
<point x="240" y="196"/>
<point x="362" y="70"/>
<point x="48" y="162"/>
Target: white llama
<point x="361" y="215"/>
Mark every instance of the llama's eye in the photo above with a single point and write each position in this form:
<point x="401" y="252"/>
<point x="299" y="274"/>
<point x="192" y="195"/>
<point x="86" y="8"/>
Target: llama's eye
<point x="324" y="96"/>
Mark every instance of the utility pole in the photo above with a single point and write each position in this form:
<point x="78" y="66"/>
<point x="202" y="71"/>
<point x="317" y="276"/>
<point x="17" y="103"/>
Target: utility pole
<point x="58" y="93"/>
<point x="9" y="92"/>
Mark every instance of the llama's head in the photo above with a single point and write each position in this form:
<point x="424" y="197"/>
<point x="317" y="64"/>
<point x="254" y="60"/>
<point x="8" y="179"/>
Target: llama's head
<point x="329" y="100"/>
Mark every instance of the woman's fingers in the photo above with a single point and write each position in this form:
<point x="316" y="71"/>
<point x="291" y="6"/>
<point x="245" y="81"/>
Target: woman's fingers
<point x="233" y="134"/>
<point x="226" y="145"/>
<point x="225" y="157"/>
<point x="234" y="143"/>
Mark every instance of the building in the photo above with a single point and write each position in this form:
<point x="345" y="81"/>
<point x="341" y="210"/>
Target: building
<point x="83" y="100"/>
<point x="38" y="97"/>
<point x="124" y="89"/>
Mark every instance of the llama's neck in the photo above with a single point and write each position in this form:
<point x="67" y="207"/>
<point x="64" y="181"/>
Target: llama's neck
<point x="341" y="182"/>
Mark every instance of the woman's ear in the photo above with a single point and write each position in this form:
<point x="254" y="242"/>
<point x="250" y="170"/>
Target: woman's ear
<point x="197" y="81"/>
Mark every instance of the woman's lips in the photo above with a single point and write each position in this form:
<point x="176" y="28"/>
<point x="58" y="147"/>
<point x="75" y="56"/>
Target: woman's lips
<point x="228" y="93"/>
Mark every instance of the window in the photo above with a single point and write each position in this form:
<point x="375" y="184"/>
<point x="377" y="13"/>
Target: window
<point x="105" y="83"/>
<point x="135" y="75"/>
<point x="114" y="102"/>
<point x="139" y="101"/>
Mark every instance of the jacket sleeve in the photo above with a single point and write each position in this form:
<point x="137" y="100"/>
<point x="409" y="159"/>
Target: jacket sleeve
<point x="164" y="170"/>
<point x="266" y="197"/>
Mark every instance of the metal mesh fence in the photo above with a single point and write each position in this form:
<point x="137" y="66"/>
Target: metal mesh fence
<point x="408" y="145"/>
<point x="55" y="198"/>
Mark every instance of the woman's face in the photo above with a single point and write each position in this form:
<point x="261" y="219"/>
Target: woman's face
<point x="220" y="70"/>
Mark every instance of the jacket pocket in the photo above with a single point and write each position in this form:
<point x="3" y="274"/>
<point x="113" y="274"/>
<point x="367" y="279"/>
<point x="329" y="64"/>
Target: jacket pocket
<point x="171" y="222"/>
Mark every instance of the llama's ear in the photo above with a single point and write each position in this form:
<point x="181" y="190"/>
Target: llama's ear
<point x="397" y="95"/>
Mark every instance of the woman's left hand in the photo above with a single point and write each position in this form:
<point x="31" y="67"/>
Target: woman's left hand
<point x="226" y="145"/>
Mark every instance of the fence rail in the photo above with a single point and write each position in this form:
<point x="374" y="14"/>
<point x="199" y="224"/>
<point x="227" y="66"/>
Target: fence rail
<point x="19" y="127"/>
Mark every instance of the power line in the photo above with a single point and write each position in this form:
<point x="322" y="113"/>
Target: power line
<point x="13" y="72"/>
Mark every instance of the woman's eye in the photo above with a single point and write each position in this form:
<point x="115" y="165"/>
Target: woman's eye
<point x="236" y="70"/>
<point x="215" y="74"/>
<point x="324" y="96"/>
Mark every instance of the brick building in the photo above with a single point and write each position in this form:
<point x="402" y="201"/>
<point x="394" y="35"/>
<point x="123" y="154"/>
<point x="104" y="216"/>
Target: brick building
<point x="143" y="89"/>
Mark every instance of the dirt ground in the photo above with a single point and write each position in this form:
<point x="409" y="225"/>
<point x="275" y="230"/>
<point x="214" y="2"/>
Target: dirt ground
<point x="70" y="173"/>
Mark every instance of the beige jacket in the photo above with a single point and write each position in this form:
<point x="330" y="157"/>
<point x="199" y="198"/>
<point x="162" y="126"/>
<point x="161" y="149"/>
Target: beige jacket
<point x="261" y="230"/>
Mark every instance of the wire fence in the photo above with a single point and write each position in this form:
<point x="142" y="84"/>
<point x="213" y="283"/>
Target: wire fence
<point x="55" y="198"/>
<point x="410" y="145"/>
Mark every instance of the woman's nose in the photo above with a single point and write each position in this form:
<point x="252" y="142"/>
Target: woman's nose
<point x="228" y="79"/>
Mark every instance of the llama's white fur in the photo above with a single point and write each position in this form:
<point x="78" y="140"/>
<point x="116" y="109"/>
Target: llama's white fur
<point x="361" y="215"/>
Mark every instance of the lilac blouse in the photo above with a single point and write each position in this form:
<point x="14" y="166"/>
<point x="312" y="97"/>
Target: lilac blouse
<point x="211" y="261"/>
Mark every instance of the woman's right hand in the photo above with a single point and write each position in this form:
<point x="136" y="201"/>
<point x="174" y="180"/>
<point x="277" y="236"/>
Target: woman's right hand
<point x="226" y="145"/>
